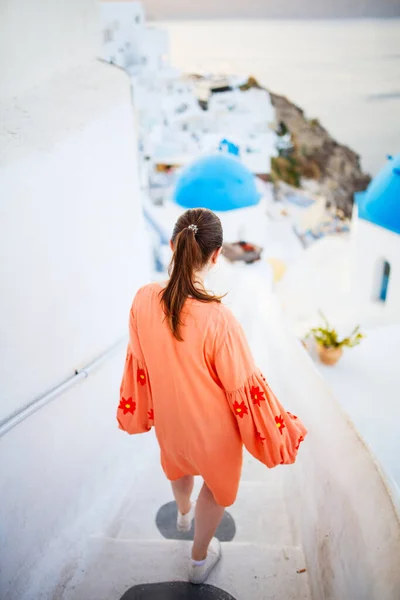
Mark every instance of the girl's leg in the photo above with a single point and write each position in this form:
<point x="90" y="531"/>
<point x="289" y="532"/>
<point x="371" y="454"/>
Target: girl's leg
<point x="182" y="489"/>
<point x="208" y="517"/>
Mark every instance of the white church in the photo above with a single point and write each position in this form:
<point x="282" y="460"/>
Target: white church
<point x="355" y="279"/>
<point x="377" y="242"/>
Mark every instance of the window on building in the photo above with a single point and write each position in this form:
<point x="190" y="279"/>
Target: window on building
<point x="108" y="35"/>
<point x="143" y="60"/>
<point x="137" y="19"/>
<point x="384" y="281"/>
<point x="181" y="108"/>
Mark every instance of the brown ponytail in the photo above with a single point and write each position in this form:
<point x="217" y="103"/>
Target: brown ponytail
<point x="193" y="247"/>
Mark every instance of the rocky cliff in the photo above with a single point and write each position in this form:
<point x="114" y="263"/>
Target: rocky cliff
<point x="314" y="154"/>
<point x="318" y="156"/>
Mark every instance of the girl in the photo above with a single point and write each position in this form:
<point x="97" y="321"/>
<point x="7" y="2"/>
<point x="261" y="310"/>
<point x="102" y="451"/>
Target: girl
<point x="189" y="373"/>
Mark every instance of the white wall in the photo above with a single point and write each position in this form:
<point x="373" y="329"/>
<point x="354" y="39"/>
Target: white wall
<point x="319" y="280"/>
<point x="73" y="251"/>
<point x="374" y="245"/>
<point x="42" y="38"/>
<point x="349" y="527"/>
<point x="65" y="475"/>
<point x="154" y="47"/>
<point x="69" y="215"/>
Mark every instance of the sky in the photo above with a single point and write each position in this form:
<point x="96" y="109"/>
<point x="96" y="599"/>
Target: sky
<point x="173" y="9"/>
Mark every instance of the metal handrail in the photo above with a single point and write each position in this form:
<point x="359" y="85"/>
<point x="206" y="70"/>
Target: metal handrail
<point x="29" y="409"/>
<point x="163" y="238"/>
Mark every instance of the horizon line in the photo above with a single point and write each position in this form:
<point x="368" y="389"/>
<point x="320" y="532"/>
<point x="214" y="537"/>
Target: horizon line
<point x="272" y="18"/>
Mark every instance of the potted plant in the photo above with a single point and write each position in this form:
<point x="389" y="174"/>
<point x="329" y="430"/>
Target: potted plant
<point x="330" y="347"/>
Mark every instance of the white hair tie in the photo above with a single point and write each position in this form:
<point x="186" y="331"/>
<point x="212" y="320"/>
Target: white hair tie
<point x="193" y="228"/>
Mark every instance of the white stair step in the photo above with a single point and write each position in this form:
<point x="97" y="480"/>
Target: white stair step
<point x="247" y="571"/>
<point x="261" y="516"/>
<point x="259" y="513"/>
<point x="254" y="470"/>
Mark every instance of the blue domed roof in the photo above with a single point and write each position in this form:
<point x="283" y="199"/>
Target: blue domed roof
<point x="380" y="203"/>
<point x="219" y="182"/>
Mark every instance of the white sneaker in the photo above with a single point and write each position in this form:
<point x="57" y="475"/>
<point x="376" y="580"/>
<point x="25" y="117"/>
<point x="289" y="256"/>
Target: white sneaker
<point x="199" y="573"/>
<point x="184" y="522"/>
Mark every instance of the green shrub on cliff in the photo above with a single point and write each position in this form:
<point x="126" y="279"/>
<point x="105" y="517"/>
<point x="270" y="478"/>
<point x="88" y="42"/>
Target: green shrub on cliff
<point x="250" y="83"/>
<point x="285" y="169"/>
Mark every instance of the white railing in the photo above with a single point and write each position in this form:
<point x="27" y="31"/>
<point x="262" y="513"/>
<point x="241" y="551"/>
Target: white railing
<point x="29" y="409"/>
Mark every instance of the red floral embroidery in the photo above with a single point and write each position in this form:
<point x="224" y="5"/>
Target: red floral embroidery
<point x="280" y="423"/>
<point x="257" y="395"/>
<point x="292" y="416"/>
<point x="301" y="439"/>
<point x="127" y="406"/>
<point x="141" y="376"/>
<point x="240" y="409"/>
<point x="151" y="414"/>
<point x="259" y="437"/>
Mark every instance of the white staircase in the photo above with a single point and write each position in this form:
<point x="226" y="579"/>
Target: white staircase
<point x="262" y="562"/>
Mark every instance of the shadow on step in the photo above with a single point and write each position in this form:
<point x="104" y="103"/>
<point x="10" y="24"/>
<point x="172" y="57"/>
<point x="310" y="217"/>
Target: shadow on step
<point x="166" y="524"/>
<point x="175" y="590"/>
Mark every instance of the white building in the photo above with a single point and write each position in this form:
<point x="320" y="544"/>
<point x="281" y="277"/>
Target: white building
<point x="186" y="131"/>
<point x="377" y="243"/>
<point x="361" y="275"/>
<point x="154" y="46"/>
<point x="122" y="25"/>
<point x="126" y="40"/>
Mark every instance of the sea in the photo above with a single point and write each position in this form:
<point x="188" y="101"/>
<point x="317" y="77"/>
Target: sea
<point x="346" y="73"/>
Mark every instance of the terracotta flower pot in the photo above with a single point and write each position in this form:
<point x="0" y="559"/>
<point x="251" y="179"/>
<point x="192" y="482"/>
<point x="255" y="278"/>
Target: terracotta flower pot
<point x="329" y="356"/>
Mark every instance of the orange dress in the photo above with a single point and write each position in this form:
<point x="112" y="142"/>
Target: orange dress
<point x="204" y="396"/>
